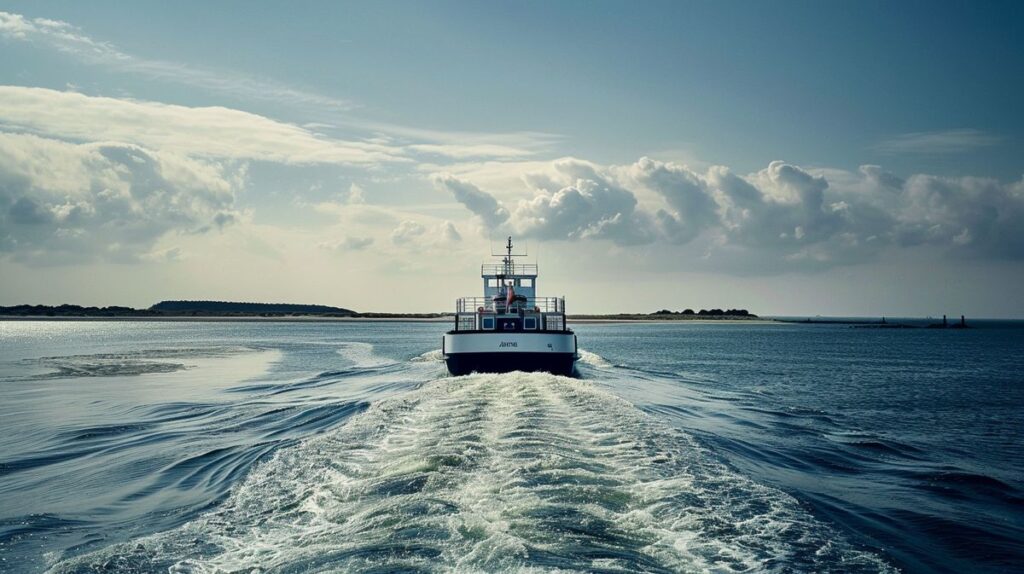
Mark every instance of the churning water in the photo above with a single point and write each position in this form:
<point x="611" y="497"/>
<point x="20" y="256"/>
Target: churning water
<point x="315" y="447"/>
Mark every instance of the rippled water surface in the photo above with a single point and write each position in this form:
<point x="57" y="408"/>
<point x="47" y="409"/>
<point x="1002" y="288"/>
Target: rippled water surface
<point x="316" y="447"/>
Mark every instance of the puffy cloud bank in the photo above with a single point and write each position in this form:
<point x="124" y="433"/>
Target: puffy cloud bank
<point x="69" y="203"/>
<point x="783" y="216"/>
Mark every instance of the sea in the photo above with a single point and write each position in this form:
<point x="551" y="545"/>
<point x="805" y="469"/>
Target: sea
<point x="294" y="447"/>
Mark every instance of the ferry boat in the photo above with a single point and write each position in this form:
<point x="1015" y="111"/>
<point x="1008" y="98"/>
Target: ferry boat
<point x="510" y="328"/>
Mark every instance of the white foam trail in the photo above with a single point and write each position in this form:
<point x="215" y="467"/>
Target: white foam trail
<point x="362" y="355"/>
<point x="435" y="356"/>
<point x="511" y="472"/>
<point x="594" y="360"/>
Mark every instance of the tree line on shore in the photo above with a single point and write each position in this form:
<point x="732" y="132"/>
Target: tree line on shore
<point x="708" y="313"/>
<point x="236" y="309"/>
<point x="180" y="309"/>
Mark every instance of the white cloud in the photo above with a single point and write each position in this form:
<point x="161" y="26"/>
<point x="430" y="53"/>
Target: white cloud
<point x="214" y="132"/>
<point x="406" y="232"/>
<point x="571" y="201"/>
<point x="981" y="216"/>
<point x="449" y="233"/>
<point x="466" y="151"/>
<point x="482" y="204"/>
<point x="69" y="39"/>
<point x="356" y="194"/>
<point x="348" y="243"/>
<point x="591" y="206"/>
<point x="781" y="217"/>
<point x="389" y="138"/>
<point x="503" y="178"/>
<point x="685" y="192"/>
<point x="460" y="145"/>
<point x="73" y="203"/>
<point x="938" y="142"/>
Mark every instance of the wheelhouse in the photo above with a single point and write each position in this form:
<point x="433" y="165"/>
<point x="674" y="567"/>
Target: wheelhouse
<point x="510" y="302"/>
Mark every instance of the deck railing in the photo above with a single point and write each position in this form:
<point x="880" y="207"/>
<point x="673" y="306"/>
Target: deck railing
<point x="512" y="269"/>
<point x="532" y="304"/>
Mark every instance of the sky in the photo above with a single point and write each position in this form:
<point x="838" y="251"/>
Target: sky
<point x="790" y="158"/>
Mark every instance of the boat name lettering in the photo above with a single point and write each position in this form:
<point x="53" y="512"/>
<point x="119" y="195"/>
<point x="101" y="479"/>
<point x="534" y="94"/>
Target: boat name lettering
<point x="509" y="344"/>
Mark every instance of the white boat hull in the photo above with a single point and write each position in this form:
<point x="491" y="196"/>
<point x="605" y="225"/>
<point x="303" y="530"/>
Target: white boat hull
<point x="499" y="352"/>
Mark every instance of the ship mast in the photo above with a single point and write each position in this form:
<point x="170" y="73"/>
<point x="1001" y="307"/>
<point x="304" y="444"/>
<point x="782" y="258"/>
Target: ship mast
<point x="508" y="258"/>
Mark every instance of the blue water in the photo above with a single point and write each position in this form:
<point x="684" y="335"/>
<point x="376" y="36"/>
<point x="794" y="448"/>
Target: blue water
<point x="314" y="447"/>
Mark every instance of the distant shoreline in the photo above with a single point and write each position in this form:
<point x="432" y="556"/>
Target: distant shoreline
<point x="227" y="318"/>
<point x="589" y="319"/>
<point x="918" y="322"/>
<point x="220" y="311"/>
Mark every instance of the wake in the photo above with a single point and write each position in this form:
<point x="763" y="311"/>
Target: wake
<point x="512" y="472"/>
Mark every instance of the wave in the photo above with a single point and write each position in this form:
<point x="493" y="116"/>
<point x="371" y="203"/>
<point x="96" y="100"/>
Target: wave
<point x="494" y="472"/>
<point x="594" y="360"/>
<point x="362" y="356"/>
<point x="435" y="356"/>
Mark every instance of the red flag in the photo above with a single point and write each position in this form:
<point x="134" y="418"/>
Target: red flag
<point x="511" y="296"/>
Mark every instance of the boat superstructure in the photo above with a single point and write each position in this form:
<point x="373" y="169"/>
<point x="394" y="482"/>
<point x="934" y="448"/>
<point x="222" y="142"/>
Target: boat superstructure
<point x="510" y="328"/>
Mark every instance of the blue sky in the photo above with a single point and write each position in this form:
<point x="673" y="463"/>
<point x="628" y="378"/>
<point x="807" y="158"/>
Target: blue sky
<point x="713" y="148"/>
<point x="739" y="84"/>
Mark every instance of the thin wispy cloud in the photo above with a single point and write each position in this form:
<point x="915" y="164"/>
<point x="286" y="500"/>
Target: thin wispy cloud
<point x="213" y="132"/>
<point x="69" y="39"/>
<point x="348" y="243"/>
<point x="938" y="142"/>
<point x="462" y="145"/>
